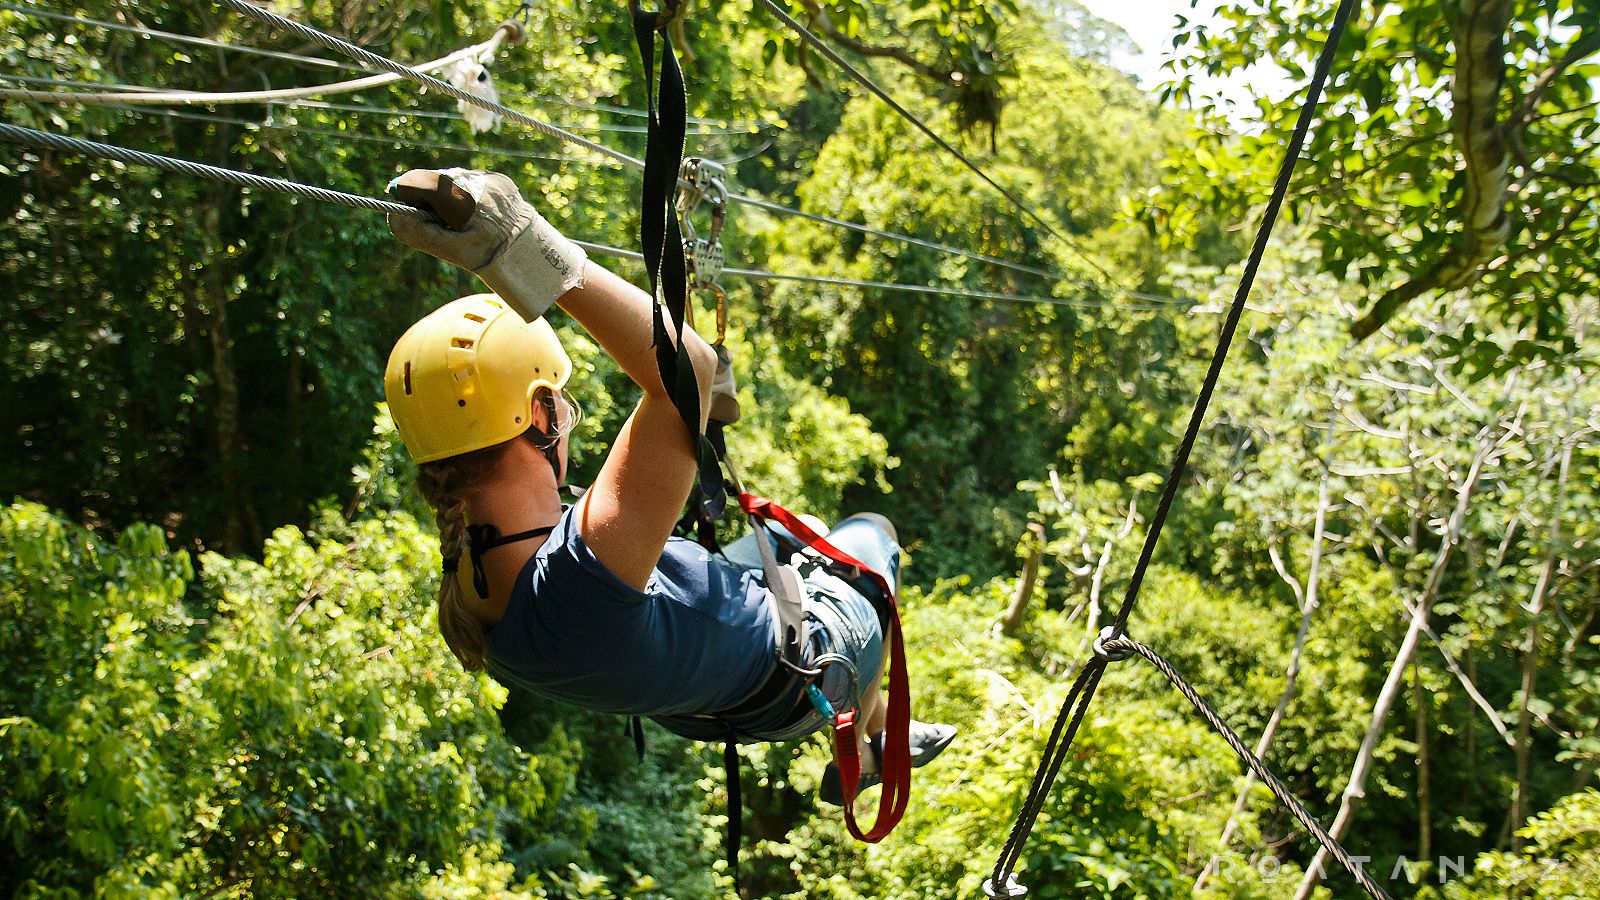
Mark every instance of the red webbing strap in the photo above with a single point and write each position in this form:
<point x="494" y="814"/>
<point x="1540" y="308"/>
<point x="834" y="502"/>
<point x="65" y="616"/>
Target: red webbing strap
<point x="896" y="762"/>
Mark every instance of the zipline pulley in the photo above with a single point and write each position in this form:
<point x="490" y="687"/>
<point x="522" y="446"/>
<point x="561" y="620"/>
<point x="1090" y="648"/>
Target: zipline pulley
<point x="701" y="181"/>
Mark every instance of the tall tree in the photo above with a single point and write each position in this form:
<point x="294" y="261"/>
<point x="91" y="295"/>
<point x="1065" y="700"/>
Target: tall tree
<point x="1457" y="151"/>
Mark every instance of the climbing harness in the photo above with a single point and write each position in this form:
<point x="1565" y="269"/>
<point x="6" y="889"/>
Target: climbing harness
<point x="1112" y="644"/>
<point x="677" y="260"/>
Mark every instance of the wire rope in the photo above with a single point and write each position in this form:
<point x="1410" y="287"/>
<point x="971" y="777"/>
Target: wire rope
<point x="330" y="63"/>
<point x="394" y="140"/>
<point x="860" y="77"/>
<point x="944" y="291"/>
<point x="731" y="130"/>
<point x="444" y="87"/>
<point x="889" y="235"/>
<point x="32" y="137"/>
<point x="375" y="60"/>
<point x="67" y="82"/>
<point x="155" y="96"/>
<point x="745" y="199"/>
<point x="1109" y="646"/>
<point x="400" y="71"/>
<point x="179" y="98"/>
<point x="189" y="39"/>
<point x="18" y="134"/>
<point x="1265" y="774"/>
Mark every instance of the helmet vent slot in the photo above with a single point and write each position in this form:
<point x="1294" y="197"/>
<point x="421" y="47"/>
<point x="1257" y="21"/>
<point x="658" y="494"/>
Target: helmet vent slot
<point x="408" y="378"/>
<point x="475" y="317"/>
<point x="463" y="343"/>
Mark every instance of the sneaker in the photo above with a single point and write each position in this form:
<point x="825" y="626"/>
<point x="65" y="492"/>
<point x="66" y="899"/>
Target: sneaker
<point x="928" y="739"/>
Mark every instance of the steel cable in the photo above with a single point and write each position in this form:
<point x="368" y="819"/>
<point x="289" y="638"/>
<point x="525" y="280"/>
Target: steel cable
<point x="860" y="77"/>
<point x="246" y="49"/>
<point x="444" y="87"/>
<point x="31" y="137"/>
<point x="377" y="61"/>
<point x="189" y="39"/>
<point x="20" y="135"/>
<point x="163" y="97"/>
<point x="396" y="70"/>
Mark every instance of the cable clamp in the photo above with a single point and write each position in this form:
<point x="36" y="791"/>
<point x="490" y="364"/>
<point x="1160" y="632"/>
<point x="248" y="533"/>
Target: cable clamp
<point x="1011" y="890"/>
<point x="1109" y="633"/>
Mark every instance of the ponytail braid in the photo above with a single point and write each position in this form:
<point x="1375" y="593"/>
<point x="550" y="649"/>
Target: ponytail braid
<point x="443" y="485"/>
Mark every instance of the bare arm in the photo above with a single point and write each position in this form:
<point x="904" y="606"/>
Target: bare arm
<point x="628" y="513"/>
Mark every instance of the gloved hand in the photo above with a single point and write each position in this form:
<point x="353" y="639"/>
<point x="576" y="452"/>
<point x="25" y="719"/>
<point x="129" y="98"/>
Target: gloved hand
<point x="724" y="392"/>
<point x="506" y="242"/>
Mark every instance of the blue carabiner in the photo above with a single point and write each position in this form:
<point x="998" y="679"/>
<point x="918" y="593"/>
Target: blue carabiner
<point x="820" y="701"/>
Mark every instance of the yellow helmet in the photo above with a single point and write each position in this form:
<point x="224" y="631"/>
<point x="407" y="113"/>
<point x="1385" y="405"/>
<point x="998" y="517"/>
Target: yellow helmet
<point x="463" y="377"/>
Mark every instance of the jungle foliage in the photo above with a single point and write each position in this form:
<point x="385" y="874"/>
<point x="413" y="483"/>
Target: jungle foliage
<point x="222" y="672"/>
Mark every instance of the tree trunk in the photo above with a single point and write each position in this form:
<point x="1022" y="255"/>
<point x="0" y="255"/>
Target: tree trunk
<point x="239" y="524"/>
<point x="1033" y="545"/>
<point x="225" y="390"/>
<point x="1530" y="656"/>
<point x="1356" y="788"/>
<point x="1475" y="123"/>
<point x="1419" y="699"/>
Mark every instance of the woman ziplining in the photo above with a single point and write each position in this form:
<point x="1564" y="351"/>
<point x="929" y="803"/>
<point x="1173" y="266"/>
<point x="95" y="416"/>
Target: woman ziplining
<point x="596" y="603"/>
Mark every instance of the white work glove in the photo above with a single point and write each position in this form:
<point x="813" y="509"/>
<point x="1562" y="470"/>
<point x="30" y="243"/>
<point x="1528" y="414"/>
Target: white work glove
<point x="724" y="392"/>
<point x="506" y="242"/>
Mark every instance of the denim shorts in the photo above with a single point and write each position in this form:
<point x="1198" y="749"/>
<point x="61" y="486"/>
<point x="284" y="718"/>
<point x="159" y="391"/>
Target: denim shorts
<point x="845" y="635"/>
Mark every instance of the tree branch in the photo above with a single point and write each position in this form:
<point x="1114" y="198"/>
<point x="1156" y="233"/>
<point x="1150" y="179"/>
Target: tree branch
<point x="824" y="23"/>
<point x="1586" y="45"/>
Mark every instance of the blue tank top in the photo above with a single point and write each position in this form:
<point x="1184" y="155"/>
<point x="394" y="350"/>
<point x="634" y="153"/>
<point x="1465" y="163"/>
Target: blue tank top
<point x="698" y="639"/>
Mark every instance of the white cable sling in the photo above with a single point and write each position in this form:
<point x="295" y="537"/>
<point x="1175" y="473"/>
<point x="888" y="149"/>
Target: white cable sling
<point x="137" y="95"/>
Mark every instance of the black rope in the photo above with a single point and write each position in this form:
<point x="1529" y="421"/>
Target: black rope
<point x="1109" y="644"/>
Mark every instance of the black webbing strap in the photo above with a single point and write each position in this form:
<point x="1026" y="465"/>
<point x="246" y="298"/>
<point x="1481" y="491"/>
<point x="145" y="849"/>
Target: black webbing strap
<point x="661" y="241"/>
<point x="480" y="540"/>
<point x="730" y="762"/>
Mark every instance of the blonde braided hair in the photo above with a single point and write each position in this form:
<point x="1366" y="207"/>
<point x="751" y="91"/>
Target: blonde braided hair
<point x="444" y="485"/>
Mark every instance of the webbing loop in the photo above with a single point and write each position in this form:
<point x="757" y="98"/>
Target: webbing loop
<point x="659" y="229"/>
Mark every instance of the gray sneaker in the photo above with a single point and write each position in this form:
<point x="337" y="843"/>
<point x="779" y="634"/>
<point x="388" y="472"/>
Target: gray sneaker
<point x="928" y="739"/>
